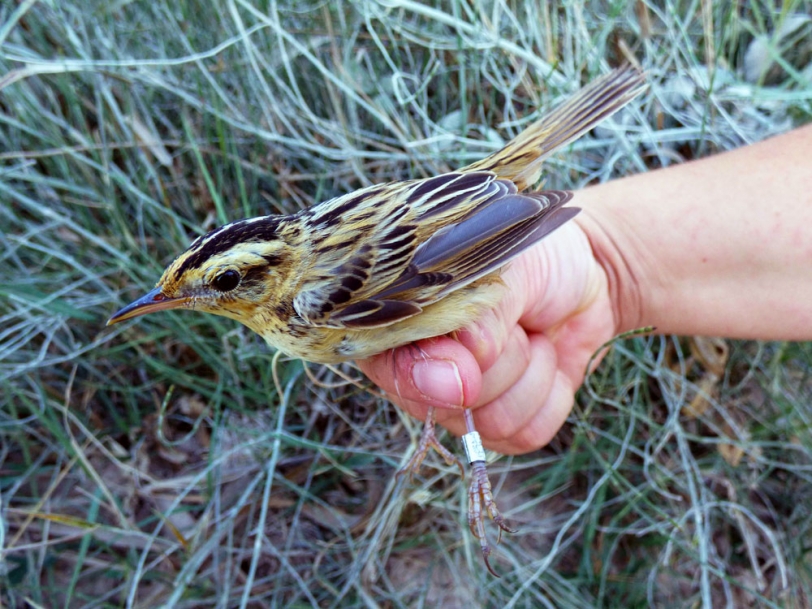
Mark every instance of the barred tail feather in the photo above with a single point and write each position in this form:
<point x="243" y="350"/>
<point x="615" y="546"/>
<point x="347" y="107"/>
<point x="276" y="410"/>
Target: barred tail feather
<point x="520" y="160"/>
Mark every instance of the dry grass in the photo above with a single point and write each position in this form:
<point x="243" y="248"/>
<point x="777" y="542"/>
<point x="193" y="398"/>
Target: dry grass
<point x="160" y="464"/>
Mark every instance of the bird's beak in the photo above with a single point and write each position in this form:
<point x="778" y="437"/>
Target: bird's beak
<point x="150" y="302"/>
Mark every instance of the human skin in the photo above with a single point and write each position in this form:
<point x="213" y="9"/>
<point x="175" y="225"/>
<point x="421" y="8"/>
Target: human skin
<point x="717" y="247"/>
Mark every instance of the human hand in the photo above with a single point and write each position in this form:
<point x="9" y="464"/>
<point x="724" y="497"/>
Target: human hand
<point x="518" y="366"/>
<point x="691" y="249"/>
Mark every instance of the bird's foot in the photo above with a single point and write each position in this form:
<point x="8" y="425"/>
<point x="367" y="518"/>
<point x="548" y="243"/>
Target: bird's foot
<point x="480" y="496"/>
<point x="428" y="440"/>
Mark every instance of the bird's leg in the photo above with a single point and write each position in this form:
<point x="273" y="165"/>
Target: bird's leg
<point x="428" y="440"/>
<point x="480" y="494"/>
<point x="479" y="491"/>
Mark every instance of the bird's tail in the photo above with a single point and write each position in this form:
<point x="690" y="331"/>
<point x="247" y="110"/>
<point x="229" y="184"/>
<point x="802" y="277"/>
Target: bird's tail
<point x="520" y="160"/>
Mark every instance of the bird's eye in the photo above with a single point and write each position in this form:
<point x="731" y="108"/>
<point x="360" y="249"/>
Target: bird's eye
<point x="226" y="281"/>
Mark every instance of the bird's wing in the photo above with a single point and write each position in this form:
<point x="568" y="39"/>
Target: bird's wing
<point x="424" y="240"/>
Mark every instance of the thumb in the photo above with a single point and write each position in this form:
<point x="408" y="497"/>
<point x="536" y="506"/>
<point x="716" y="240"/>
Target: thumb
<point x="439" y="372"/>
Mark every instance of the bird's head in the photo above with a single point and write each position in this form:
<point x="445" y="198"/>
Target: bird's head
<point x="232" y="271"/>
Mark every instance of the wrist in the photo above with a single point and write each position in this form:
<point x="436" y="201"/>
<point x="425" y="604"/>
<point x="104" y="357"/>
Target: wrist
<point x="620" y="254"/>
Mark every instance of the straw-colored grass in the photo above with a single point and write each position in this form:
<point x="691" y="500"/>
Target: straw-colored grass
<point x="160" y="463"/>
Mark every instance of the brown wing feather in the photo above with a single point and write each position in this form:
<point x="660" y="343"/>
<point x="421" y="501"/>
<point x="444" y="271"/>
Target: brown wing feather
<point x="467" y="259"/>
<point x="349" y="272"/>
<point x="446" y="232"/>
<point x="372" y="313"/>
<point x="486" y="224"/>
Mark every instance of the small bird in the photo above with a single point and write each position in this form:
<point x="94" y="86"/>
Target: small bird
<point x="392" y="263"/>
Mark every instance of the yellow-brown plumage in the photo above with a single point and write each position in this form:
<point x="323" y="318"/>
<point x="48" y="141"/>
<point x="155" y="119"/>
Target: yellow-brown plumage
<point x="389" y="264"/>
<point x="392" y="263"/>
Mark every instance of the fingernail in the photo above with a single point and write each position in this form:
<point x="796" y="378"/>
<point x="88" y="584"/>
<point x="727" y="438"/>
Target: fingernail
<point x="438" y="380"/>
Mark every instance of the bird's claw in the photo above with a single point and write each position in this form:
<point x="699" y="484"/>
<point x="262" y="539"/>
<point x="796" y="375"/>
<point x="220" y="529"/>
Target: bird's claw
<point x="428" y="440"/>
<point x="479" y="495"/>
